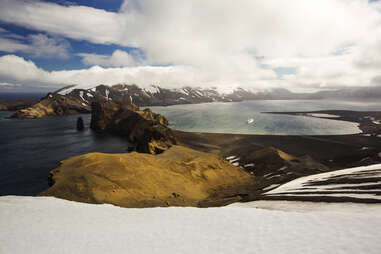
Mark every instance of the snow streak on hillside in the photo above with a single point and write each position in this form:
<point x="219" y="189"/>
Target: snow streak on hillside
<point x="363" y="183"/>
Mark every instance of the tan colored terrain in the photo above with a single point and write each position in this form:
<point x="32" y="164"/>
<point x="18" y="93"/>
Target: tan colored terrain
<point x="52" y="104"/>
<point x="180" y="176"/>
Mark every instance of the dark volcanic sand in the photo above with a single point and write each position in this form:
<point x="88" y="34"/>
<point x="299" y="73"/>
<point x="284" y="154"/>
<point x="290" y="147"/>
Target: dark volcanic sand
<point x="334" y="151"/>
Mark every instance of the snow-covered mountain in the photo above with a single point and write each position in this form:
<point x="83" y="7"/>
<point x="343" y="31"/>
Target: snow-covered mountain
<point x="78" y="99"/>
<point x="74" y="98"/>
<point x="152" y="95"/>
<point x="155" y="95"/>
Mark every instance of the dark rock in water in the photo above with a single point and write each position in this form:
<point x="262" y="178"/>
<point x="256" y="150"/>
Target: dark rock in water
<point x="149" y="131"/>
<point x="80" y="125"/>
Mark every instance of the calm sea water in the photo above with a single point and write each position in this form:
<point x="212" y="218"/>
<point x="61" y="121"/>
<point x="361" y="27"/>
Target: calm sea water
<point x="29" y="149"/>
<point x="232" y="117"/>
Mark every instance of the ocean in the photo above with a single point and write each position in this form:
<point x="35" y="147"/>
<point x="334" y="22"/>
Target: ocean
<point x="233" y="117"/>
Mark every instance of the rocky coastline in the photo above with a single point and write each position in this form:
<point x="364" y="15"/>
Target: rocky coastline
<point x="50" y="105"/>
<point x="158" y="173"/>
<point x="147" y="130"/>
<point x="182" y="163"/>
<point x="369" y="121"/>
<point x="17" y="104"/>
<point x="264" y="161"/>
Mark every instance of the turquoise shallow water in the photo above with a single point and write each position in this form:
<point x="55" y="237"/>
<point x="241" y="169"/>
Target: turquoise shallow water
<point x="232" y="117"/>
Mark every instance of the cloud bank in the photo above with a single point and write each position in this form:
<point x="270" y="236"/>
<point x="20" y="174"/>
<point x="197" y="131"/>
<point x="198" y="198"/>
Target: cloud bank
<point x="329" y="43"/>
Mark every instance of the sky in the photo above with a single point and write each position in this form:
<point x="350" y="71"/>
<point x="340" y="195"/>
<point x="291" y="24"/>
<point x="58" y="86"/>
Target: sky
<point x="300" y="45"/>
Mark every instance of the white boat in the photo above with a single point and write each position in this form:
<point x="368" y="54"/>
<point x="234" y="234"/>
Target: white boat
<point x="250" y="120"/>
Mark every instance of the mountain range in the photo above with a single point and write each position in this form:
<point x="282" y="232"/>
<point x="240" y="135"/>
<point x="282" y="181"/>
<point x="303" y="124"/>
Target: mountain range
<point x="76" y="99"/>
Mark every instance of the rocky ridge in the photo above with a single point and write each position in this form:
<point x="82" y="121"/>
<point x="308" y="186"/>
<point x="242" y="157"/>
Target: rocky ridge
<point x="149" y="131"/>
<point x="53" y="104"/>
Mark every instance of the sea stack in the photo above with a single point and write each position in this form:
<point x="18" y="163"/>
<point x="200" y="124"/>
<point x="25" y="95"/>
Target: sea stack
<point x="80" y="125"/>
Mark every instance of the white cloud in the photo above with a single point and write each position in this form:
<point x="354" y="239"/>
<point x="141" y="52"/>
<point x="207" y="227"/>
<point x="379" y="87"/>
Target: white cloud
<point x="9" y="45"/>
<point x="18" y="68"/>
<point x="331" y="43"/>
<point x="46" y="47"/>
<point x="118" y="58"/>
<point x="36" y="45"/>
<point x="76" y="22"/>
<point x="12" y="66"/>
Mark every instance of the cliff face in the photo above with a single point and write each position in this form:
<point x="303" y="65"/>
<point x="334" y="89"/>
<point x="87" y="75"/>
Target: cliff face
<point x="180" y="176"/>
<point x="149" y="131"/>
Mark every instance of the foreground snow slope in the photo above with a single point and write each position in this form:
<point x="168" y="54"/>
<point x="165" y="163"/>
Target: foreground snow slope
<point x="50" y="225"/>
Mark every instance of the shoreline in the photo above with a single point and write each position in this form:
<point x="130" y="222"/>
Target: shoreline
<point x="369" y="121"/>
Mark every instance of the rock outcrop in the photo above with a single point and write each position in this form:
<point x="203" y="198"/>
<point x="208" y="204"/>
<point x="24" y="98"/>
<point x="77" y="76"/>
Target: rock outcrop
<point x="52" y="104"/>
<point x="80" y="125"/>
<point x="149" y="131"/>
<point x="180" y="177"/>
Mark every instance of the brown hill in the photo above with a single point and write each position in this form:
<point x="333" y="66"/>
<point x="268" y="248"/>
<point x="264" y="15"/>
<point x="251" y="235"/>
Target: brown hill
<point x="180" y="176"/>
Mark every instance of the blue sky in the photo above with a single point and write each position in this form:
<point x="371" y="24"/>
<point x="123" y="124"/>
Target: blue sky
<point x="303" y="45"/>
<point x="75" y="46"/>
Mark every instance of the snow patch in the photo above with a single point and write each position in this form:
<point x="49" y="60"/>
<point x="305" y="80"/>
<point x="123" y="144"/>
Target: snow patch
<point x="152" y="89"/>
<point x="323" y="115"/>
<point x="84" y="87"/>
<point x="234" y="160"/>
<point x="272" y="186"/>
<point x="81" y="95"/>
